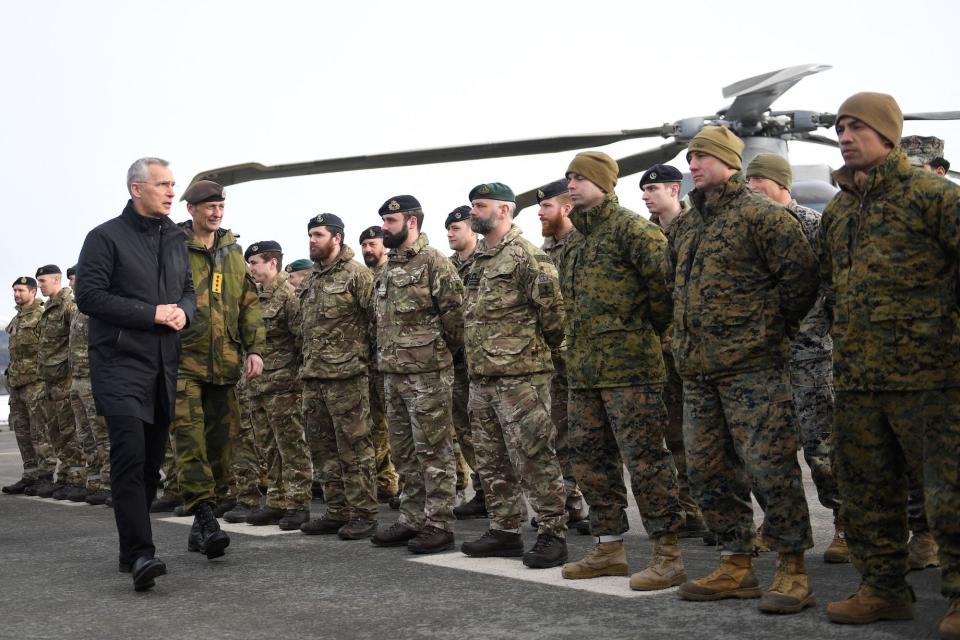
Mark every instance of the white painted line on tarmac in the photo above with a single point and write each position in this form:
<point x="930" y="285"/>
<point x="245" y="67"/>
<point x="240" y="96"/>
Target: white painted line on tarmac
<point x="10" y="453"/>
<point x="514" y="569"/>
<point x="62" y="503"/>
<point x="241" y="527"/>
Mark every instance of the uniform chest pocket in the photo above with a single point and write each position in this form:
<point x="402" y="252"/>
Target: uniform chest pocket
<point x="499" y="290"/>
<point x="335" y="300"/>
<point x="411" y="289"/>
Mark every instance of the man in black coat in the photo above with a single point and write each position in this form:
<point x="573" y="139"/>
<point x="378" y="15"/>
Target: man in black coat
<point x="135" y="285"/>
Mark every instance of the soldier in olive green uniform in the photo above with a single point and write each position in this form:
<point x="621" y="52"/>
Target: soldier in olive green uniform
<point x="419" y="316"/>
<point x="335" y="310"/>
<point x="743" y="275"/>
<point x="618" y="304"/>
<point x="26" y="391"/>
<point x="226" y="325"/>
<point x="513" y="317"/>
<point x="54" y="369"/>
<point x="889" y="246"/>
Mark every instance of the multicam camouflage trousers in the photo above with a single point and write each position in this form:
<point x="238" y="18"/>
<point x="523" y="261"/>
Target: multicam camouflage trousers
<point x="878" y="437"/>
<point x="248" y="470"/>
<point x="673" y="400"/>
<point x="280" y="438"/>
<point x="27" y="421"/>
<point x="515" y="440"/>
<point x="336" y="415"/>
<point x="740" y="434"/>
<point x="92" y="431"/>
<point x="206" y="423"/>
<point x="613" y="427"/>
<point x="460" y="412"/>
<point x="813" y="399"/>
<point x="559" y="398"/>
<point x="62" y="433"/>
<point x="421" y="438"/>
<point x="386" y="473"/>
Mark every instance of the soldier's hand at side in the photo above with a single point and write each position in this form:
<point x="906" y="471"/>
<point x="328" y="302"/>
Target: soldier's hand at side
<point x="253" y="366"/>
<point x="177" y="320"/>
<point x="163" y="313"/>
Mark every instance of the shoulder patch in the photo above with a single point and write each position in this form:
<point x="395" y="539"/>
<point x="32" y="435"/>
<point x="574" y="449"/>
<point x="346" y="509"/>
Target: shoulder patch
<point x="544" y="258"/>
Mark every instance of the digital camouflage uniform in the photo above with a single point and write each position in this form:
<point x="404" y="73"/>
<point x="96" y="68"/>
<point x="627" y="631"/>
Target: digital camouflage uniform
<point x="419" y="316"/>
<point x="226" y="325"/>
<point x="466" y="456"/>
<point x="335" y="305"/>
<point x="54" y="370"/>
<point x="513" y="316"/>
<point x="387" y="480"/>
<point x="91" y="428"/>
<point x="617" y="304"/>
<point x="557" y="249"/>
<point x="27" y="394"/>
<point x="889" y="246"/>
<point x="742" y="272"/>
<point x="275" y="402"/>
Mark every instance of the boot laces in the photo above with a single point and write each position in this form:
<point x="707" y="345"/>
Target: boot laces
<point x="543" y="543"/>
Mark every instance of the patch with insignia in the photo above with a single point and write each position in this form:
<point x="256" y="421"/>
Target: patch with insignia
<point x="544" y="259"/>
<point x="653" y="175"/>
<point x="394" y="205"/>
<point x="382" y="289"/>
<point x="473" y="280"/>
<point x="319" y="219"/>
<point x="483" y="189"/>
<point x="23" y="279"/>
<point x="540" y="193"/>
<point x="371" y="233"/>
<point x="255" y="248"/>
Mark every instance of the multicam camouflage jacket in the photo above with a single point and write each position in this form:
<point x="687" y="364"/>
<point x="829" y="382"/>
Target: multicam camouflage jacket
<point x="559" y="248"/>
<point x="281" y="356"/>
<point x="54" y="349"/>
<point x="514" y="311"/>
<point x="335" y="313"/>
<point x="743" y="275"/>
<point x="616" y="297"/>
<point x="419" y="310"/>
<point x="889" y="245"/>
<point x="228" y="321"/>
<point x="24" y="332"/>
<point x="812" y="341"/>
<point x="463" y="269"/>
<point x="79" y="341"/>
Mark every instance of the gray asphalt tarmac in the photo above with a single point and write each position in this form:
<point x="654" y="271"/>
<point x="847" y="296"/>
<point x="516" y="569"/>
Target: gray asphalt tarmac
<point x="59" y="579"/>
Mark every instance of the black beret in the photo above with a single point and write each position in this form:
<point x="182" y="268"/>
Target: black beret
<point x="492" y="191"/>
<point x="72" y="271"/>
<point x="261" y="247"/>
<point x="371" y="232"/>
<point x="660" y="173"/>
<point x="203" y="191"/>
<point x="25" y="280"/>
<point x="457" y="215"/>
<point x="48" y="270"/>
<point x="552" y="190"/>
<point x="399" y="204"/>
<point x="325" y="220"/>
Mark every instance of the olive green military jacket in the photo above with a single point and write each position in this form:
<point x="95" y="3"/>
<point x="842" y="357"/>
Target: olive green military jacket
<point x="79" y="341"/>
<point x="616" y="296"/>
<point x="419" y="310"/>
<point x="24" y="332"/>
<point x="228" y="321"/>
<point x="335" y="307"/>
<point x="463" y="270"/>
<point x="889" y="245"/>
<point x="743" y="274"/>
<point x="514" y="311"/>
<point x="54" y="348"/>
<point x="280" y="309"/>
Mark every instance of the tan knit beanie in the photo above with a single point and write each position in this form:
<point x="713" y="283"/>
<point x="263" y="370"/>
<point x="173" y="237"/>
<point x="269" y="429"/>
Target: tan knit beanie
<point x="720" y="143"/>
<point x="597" y="167"/>
<point x="878" y="111"/>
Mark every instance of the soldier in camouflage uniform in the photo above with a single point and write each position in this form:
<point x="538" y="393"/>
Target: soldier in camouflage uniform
<point x="91" y="428"/>
<point x="274" y="400"/>
<point x="371" y="248"/>
<point x="335" y="310"/>
<point x="26" y="391"/>
<point x="617" y="301"/>
<point x="811" y="349"/>
<point x="227" y="324"/>
<point x="889" y="246"/>
<point x="513" y="316"/>
<point x="419" y="317"/>
<point x="54" y="370"/>
<point x="743" y="275"/>
<point x="297" y="271"/>
<point x="248" y="469"/>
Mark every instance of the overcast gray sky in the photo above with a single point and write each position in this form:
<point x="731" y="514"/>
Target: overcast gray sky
<point x="90" y="86"/>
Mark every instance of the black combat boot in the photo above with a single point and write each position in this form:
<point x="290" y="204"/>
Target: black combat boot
<point x="357" y="529"/>
<point x="324" y="525"/>
<point x="166" y="502"/>
<point x="18" y="487"/>
<point x="212" y="541"/>
<point x="494" y="543"/>
<point x="237" y="514"/>
<point x="263" y="516"/>
<point x="99" y="496"/>
<point x="431" y="539"/>
<point x="221" y="508"/>
<point x="548" y="551"/>
<point x="61" y="492"/>
<point x="48" y="489"/>
<point x="583" y="527"/>
<point x="36" y="486"/>
<point x="396" y="535"/>
<point x="77" y="494"/>
<point x="476" y="507"/>
<point x="293" y="519"/>
<point x="394" y="502"/>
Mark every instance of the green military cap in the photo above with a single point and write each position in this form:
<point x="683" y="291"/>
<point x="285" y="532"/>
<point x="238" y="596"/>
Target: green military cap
<point x="771" y="166"/>
<point x="492" y="191"/>
<point x="299" y="265"/>
<point x="204" y="191"/>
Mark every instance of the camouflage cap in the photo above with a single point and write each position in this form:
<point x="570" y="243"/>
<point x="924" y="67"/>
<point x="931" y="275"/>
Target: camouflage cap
<point x="331" y="220"/>
<point x="492" y="191"/>
<point x="72" y="271"/>
<point x="399" y="204"/>
<point x="660" y="173"/>
<point x="48" y="270"/>
<point x="457" y="215"/>
<point x="262" y="247"/>
<point x="921" y="150"/>
<point x="25" y="281"/>
<point x="204" y="191"/>
<point x="552" y="190"/>
<point x="376" y="231"/>
<point x="299" y="265"/>
<point x="771" y="166"/>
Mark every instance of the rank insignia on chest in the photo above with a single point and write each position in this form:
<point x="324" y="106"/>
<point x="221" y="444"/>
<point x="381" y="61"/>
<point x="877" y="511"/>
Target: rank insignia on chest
<point x="382" y="288"/>
<point x="217" y="284"/>
<point x="473" y="279"/>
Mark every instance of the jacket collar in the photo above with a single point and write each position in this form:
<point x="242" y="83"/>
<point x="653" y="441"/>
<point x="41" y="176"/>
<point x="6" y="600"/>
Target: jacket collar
<point x="708" y="201"/>
<point x="508" y="237"/>
<point x="587" y="220"/>
<point x="275" y="284"/>
<point x="143" y="223"/>
<point x="346" y="255"/>
<point x="396" y="255"/>
<point x="27" y="308"/>
<point x="863" y="182"/>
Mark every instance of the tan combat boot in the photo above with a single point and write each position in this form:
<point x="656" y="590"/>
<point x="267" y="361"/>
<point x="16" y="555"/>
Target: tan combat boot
<point x="666" y="567"/>
<point x="950" y="625"/>
<point x="732" y="579"/>
<point x="760" y="544"/>
<point x="790" y="591"/>
<point x="866" y="606"/>
<point x="602" y="559"/>
<point x="838" y="552"/>
<point x="922" y="552"/>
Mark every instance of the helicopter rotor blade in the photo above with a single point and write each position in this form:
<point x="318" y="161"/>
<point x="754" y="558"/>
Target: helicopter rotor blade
<point x="812" y="137"/>
<point x="933" y="115"/>
<point x="753" y="96"/>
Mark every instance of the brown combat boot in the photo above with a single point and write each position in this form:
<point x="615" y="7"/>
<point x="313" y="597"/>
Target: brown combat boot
<point x="732" y="579"/>
<point x="950" y="625"/>
<point x="922" y="552"/>
<point x="790" y="591"/>
<point x="760" y="544"/>
<point x="838" y="552"/>
<point x="866" y="606"/>
<point x="602" y="559"/>
<point x="665" y="569"/>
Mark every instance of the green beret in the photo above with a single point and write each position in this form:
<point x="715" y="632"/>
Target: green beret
<point x="492" y="191"/>
<point x="203" y="191"/>
<point x="299" y="265"/>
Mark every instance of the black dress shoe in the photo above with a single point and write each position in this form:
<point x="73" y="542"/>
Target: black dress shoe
<point x="123" y="566"/>
<point x="145" y="571"/>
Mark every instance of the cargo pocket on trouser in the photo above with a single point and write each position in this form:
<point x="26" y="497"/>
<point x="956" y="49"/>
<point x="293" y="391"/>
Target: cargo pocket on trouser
<point x="432" y="405"/>
<point x="349" y="405"/>
<point x="528" y="417"/>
